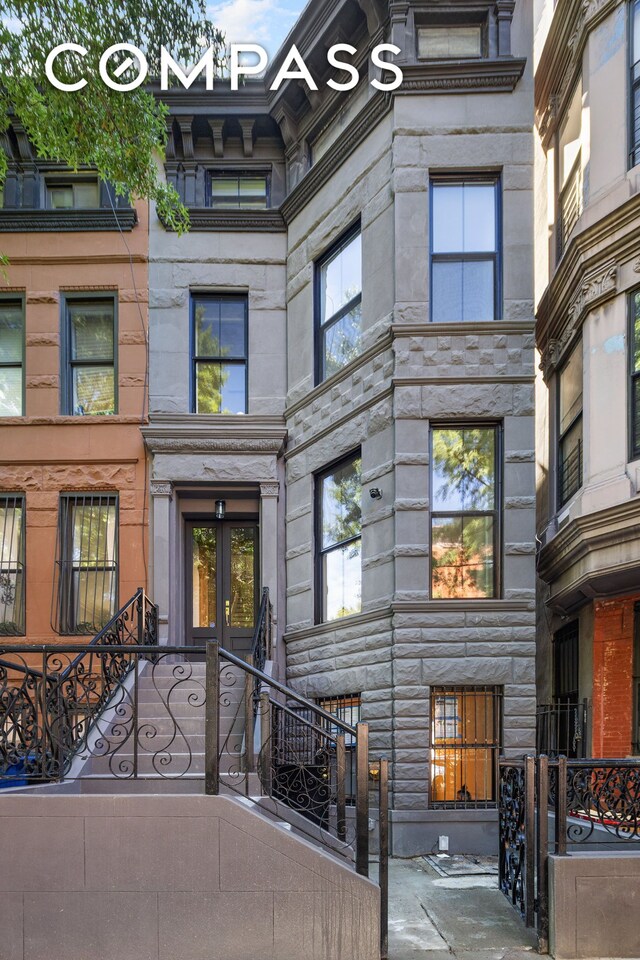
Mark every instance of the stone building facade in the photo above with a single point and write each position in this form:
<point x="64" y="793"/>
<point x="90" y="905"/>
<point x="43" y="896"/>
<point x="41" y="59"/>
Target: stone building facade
<point x="587" y="334"/>
<point x="73" y="358"/>
<point x="347" y="381"/>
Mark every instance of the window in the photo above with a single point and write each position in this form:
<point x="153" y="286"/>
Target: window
<point x="450" y="42"/>
<point x="88" y="562"/>
<point x="339" y="305"/>
<point x="11" y="358"/>
<point x="634" y="357"/>
<point x="465" y="250"/>
<point x="339" y="540"/>
<point x="570" y="427"/>
<point x="220" y="354"/>
<point x="635" y="82"/>
<point x="466" y="738"/>
<point x="464" y="512"/>
<point x="347" y="709"/>
<point x="90" y="383"/>
<point x="238" y="191"/>
<point x="80" y="194"/>
<point x="12" y="573"/>
<point x="570" y="198"/>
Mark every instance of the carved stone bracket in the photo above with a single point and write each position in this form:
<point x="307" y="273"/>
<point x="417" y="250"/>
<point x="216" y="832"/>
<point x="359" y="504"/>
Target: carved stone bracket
<point x="187" y="136"/>
<point x="217" y="126"/>
<point x="636" y="266"/>
<point x="247" y="125"/>
<point x="594" y="290"/>
<point x="161" y="488"/>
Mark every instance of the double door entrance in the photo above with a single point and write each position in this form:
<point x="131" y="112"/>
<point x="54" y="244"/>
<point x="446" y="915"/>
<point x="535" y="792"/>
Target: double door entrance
<point x="222" y="582"/>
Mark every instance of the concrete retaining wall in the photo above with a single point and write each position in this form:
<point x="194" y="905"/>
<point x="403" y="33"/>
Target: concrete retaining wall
<point x="172" y="878"/>
<point x="594" y="903"/>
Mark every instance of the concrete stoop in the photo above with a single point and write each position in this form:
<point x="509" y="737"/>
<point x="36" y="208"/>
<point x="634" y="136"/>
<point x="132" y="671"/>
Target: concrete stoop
<point x="172" y="877"/>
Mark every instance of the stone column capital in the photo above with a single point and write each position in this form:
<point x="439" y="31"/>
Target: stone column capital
<point x="161" y="488"/>
<point x="269" y="490"/>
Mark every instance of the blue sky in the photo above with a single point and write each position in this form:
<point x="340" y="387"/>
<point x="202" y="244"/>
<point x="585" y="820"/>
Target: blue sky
<point x="266" y="22"/>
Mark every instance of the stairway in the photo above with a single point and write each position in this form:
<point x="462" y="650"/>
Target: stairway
<point x="169" y="744"/>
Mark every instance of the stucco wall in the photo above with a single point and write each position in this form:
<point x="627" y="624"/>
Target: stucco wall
<point x="173" y="878"/>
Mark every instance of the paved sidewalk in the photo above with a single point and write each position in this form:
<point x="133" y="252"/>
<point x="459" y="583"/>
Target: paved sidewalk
<point x="451" y="918"/>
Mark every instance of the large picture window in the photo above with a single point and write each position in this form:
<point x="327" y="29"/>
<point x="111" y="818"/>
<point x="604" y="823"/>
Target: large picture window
<point x="88" y="562"/>
<point x="219" y="354"/>
<point x="90" y="376"/>
<point x="464" y="512"/>
<point x="11" y="358"/>
<point x="570" y="426"/>
<point x="635" y="83"/>
<point x="634" y="357"/>
<point x="465" y="250"/>
<point x="340" y="540"/>
<point x="465" y="745"/>
<point x="12" y="572"/>
<point x="339" y="305"/>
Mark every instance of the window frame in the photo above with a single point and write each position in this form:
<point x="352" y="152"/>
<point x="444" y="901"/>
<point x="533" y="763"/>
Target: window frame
<point x="67" y="364"/>
<point x="58" y="181"/>
<point x="480" y="25"/>
<point x="461" y="178"/>
<point x="319" y="551"/>
<point x="634" y="87"/>
<point x="497" y="513"/>
<point x="18" y="297"/>
<point x="496" y="692"/>
<point x="561" y="434"/>
<point x="634" y="375"/>
<point x="65" y="540"/>
<point x="319" y="326"/>
<point x="229" y="173"/>
<point x="194" y="297"/>
<point x="21" y="562"/>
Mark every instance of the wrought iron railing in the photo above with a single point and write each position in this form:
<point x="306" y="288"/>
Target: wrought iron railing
<point x="570" y="473"/>
<point x="261" y="645"/>
<point x="562" y="728"/>
<point x="51" y="697"/>
<point x="560" y="805"/>
<point x="570" y="205"/>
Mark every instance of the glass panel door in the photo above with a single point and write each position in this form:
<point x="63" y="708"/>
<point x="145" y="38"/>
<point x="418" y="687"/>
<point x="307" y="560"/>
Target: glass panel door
<point x="221" y="583"/>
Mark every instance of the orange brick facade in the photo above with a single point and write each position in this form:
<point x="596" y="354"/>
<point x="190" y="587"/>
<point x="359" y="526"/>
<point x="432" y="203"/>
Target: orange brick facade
<point x="613" y="649"/>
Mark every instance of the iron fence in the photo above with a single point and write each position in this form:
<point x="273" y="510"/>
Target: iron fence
<point x="562" y="728"/>
<point x="560" y="806"/>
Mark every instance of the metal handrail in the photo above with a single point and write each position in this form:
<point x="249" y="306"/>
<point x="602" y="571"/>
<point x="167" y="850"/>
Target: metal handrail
<point x="259" y="642"/>
<point x="48" y="648"/>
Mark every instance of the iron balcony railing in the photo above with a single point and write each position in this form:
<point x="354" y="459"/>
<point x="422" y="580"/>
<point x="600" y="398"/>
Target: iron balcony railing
<point x="562" y="728"/>
<point x="569" y="473"/>
<point x="570" y="206"/>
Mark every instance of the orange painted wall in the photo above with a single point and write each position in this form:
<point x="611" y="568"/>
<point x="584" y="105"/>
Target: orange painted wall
<point x="43" y="454"/>
<point x="612" y="676"/>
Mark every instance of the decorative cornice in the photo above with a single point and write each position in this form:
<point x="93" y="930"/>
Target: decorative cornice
<point x="193" y="433"/>
<point x="615" y="238"/>
<point x="67" y="221"/>
<point x="476" y="76"/>
<point x="236" y="221"/>
<point x="584" y="536"/>
<point x="595" y="289"/>
<point x="320" y="173"/>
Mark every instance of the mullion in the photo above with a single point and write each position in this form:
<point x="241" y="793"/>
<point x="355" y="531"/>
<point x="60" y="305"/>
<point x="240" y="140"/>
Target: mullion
<point x="340" y="543"/>
<point x="342" y="312"/>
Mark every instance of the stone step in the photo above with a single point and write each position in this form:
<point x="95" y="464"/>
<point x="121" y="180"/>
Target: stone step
<point x="156" y="784"/>
<point x="179" y="762"/>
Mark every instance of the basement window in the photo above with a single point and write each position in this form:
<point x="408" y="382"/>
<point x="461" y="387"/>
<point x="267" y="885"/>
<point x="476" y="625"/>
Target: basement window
<point x="12" y="572"/>
<point x="465" y="745"/>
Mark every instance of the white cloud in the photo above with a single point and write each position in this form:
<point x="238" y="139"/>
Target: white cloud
<point x="266" y="22"/>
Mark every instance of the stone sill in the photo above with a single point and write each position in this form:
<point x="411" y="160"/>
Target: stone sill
<point x="62" y="421"/>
